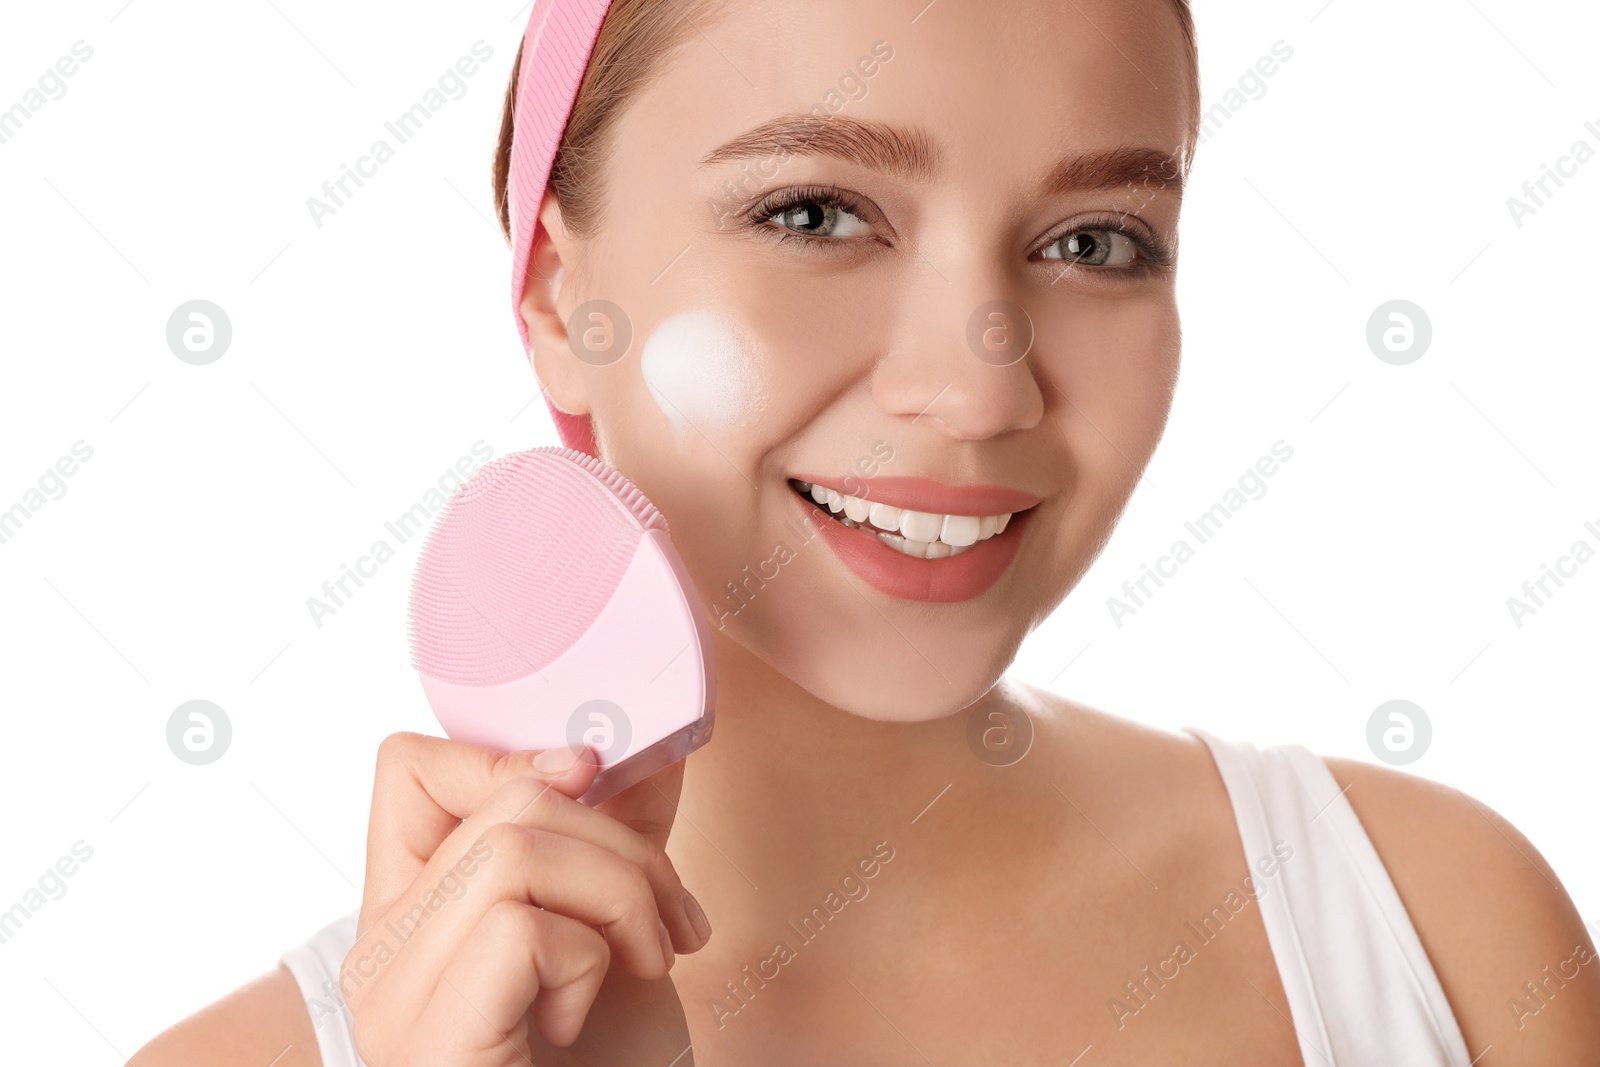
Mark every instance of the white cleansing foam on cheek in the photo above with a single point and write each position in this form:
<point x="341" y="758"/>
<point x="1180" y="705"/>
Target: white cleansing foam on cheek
<point x="702" y="374"/>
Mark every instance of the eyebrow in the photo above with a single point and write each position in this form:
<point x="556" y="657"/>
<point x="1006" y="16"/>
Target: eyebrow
<point x="908" y="152"/>
<point x="912" y="153"/>
<point x="1115" y="167"/>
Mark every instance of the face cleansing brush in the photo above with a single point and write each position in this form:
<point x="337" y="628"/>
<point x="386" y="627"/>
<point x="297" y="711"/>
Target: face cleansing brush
<point x="549" y="608"/>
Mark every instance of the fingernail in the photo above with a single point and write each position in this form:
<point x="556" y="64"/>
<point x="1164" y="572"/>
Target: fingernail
<point x="697" y="915"/>
<point x="555" y="761"/>
<point x="666" y="943"/>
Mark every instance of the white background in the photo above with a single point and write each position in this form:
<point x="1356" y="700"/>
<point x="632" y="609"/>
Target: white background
<point x="369" y="354"/>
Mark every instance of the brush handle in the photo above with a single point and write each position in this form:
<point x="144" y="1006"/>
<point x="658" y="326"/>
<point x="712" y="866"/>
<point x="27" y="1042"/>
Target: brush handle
<point x="635" y="769"/>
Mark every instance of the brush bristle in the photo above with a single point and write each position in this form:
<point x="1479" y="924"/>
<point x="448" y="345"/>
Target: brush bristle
<point x="520" y="563"/>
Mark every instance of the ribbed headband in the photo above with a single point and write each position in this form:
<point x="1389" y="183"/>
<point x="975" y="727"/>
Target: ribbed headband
<point x="555" y="52"/>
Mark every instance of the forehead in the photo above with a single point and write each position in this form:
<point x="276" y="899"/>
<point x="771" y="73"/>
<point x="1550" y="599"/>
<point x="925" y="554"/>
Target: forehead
<point x="993" y="85"/>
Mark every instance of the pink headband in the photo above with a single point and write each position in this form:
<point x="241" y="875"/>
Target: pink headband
<point x="555" y="53"/>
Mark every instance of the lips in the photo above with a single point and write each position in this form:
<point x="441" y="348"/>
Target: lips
<point x="949" y="543"/>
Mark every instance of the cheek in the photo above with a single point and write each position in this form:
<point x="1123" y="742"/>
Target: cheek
<point x="818" y="333"/>
<point x="702" y="372"/>
<point x="1118" y="367"/>
<point x="687" y="426"/>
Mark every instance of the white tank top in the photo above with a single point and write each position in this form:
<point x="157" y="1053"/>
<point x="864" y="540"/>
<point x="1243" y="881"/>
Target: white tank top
<point x="1361" y="990"/>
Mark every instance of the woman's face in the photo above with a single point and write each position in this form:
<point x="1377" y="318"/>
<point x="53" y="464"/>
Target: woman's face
<point x="820" y="227"/>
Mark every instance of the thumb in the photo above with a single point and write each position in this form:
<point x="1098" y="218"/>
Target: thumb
<point x="570" y="769"/>
<point x="425" y="787"/>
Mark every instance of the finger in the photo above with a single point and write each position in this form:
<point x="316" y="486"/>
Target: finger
<point x="532" y="802"/>
<point x="561" y="874"/>
<point x="651" y="806"/>
<point x="516" y="958"/>
<point x="650" y="809"/>
<point x="423" y="787"/>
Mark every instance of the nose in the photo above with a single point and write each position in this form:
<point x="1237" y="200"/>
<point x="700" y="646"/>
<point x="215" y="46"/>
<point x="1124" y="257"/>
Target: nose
<point x="960" y="359"/>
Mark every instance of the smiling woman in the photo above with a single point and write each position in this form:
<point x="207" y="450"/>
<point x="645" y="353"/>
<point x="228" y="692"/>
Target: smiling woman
<point x="965" y="275"/>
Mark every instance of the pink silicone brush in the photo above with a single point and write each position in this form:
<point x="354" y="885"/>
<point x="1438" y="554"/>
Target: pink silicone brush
<point x="549" y="608"/>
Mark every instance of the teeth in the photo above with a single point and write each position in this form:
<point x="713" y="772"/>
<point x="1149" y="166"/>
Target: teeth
<point x="916" y="533"/>
<point x="961" y="530"/>
<point x="885" y="517"/>
<point x="920" y="526"/>
<point x="921" y="549"/>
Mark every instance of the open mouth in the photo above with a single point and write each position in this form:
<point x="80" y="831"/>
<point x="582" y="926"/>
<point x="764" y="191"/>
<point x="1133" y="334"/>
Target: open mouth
<point x="919" y="534"/>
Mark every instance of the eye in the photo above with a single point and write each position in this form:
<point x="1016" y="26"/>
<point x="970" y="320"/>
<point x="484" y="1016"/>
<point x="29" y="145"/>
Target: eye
<point x="1093" y="248"/>
<point x="817" y="219"/>
<point x="812" y="214"/>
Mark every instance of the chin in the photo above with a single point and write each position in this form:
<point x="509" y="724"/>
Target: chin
<point x="913" y="698"/>
<point x="854" y="659"/>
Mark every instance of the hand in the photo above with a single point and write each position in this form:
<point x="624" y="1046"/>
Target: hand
<point x="504" y="923"/>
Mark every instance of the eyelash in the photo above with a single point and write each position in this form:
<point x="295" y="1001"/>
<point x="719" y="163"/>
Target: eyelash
<point x="1154" y="254"/>
<point x="775" y="204"/>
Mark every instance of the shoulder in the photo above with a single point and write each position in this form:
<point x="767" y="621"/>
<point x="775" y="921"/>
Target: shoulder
<point x="264" y="1021"/>
<point x="1086" y="738"/>
<point x="1160" y="786"/>
<point x="1509" y="947"/>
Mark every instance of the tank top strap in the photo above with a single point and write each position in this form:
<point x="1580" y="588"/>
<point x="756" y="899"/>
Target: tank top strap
<point x="1361" y="989"/>
<point x="315" y="965"/>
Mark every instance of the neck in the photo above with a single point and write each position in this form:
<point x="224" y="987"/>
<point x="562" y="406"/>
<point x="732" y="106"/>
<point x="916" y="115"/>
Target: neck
<point x="790" y="787"/>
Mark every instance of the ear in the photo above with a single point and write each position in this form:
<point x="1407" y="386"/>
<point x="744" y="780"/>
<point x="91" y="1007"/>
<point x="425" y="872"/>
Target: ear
<point x="553" y="361"/>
